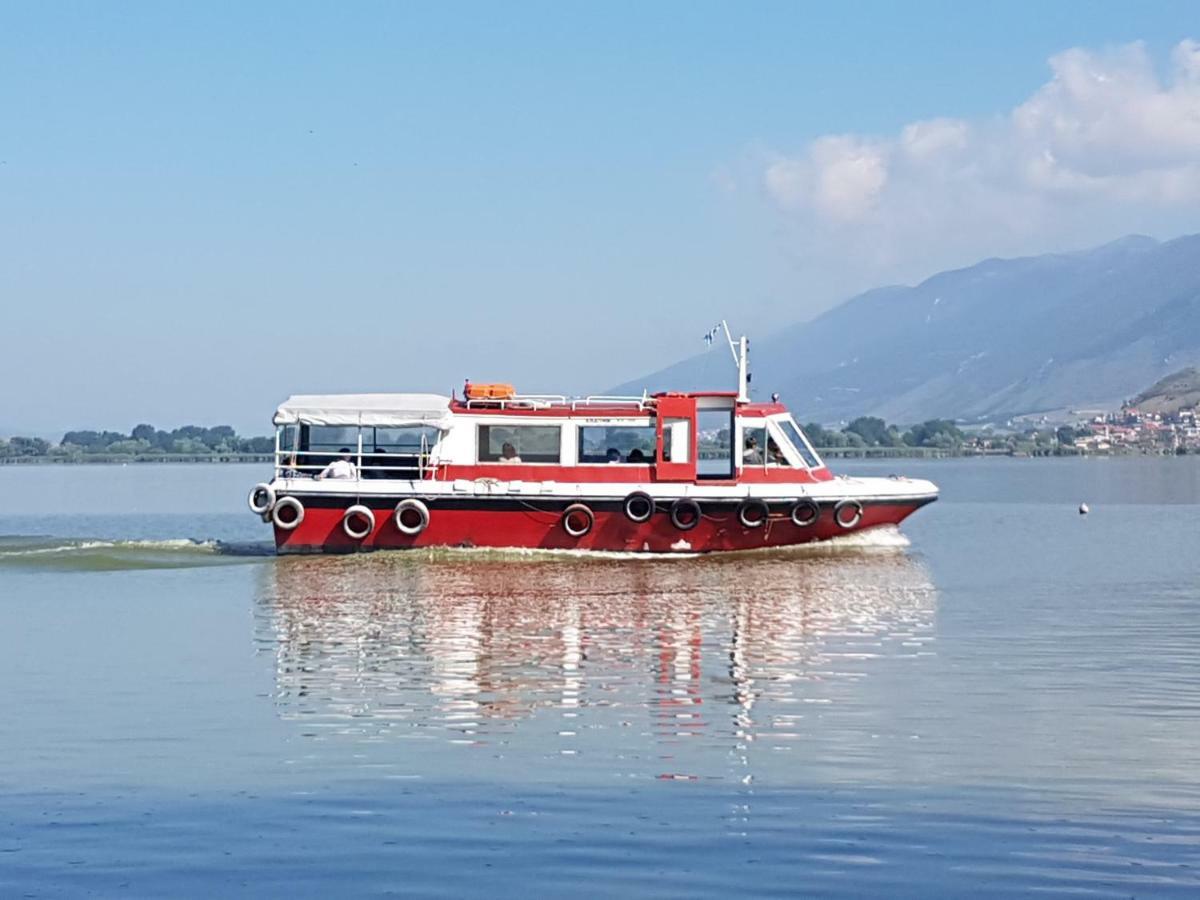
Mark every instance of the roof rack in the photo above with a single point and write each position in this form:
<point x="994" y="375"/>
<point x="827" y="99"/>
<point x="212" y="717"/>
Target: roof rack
<point x="559" y="401"/>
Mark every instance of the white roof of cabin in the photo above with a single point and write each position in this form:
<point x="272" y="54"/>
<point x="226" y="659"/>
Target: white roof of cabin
<point x="365" y="409"/>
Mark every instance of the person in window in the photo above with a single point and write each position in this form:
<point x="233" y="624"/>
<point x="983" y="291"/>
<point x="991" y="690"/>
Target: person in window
<point x="508" y="454"/>
<point x="379" y="461"/>
<point x="636" y="456"/>
<point x="613" y="455"/>
<point x="775" y="454"/>
<point x="340" y="467"/>
<point x="752" y="454"/>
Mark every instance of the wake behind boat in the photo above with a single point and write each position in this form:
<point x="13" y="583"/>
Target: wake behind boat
<point x="667" y="472"/>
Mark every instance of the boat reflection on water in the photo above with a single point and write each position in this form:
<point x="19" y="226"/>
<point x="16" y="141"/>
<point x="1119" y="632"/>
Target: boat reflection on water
<point x="479" y="648"/>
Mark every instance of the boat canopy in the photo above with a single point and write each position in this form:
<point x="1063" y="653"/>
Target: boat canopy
<point x="366" y="409"/>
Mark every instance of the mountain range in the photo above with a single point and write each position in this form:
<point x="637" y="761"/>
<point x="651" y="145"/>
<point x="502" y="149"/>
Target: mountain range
<point x="1002" y="338"/>
<point x="1179" y="390"/>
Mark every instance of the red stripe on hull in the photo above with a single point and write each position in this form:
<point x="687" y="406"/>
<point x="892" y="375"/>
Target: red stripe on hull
<point x="321" y="531"/>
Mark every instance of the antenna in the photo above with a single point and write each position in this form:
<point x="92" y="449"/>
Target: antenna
<point x="740" y="350"/>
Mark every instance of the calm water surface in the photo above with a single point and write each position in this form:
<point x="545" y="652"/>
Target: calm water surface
<point x="1005" y="700"/>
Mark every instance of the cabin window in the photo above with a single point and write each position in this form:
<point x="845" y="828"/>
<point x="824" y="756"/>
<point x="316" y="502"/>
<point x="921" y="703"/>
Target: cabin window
<point x="602" y="444"/>
<point x="520" y="443"/>
<point x="409" y="439"/>
<point x="395" y="451"/>
<point x="332" y="437"/>
<point x="800" y="442"/>
<point x="321" y="444"/>
<point x="676" y="439"/>
<point x="759" y="448"/>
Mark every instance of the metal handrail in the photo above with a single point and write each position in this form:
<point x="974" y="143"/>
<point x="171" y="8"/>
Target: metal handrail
<point x="550" y="401"/>
<point x="290" y="461"/>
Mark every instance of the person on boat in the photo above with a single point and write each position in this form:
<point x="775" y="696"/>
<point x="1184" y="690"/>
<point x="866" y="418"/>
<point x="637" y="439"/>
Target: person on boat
<point x="340" y="468"/>
<point x="508" y="454"/>
<point x="752" y="453"/>
<point x="776" y="454"/>
<point x="378" y="463"/>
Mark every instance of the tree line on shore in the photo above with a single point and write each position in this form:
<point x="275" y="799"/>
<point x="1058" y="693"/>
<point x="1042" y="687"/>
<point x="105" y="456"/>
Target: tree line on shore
<point x="144" y="440"/>
<point x="870" y="431"/>
<point x="943" y="434"/>
<point x="196" y="440"/>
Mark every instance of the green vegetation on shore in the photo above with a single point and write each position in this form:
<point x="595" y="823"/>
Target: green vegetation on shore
<point x="145" y="441"/>
<point x="870" y="434"/>
<point x="870" y="431"/>
<point x="943" y="436"/>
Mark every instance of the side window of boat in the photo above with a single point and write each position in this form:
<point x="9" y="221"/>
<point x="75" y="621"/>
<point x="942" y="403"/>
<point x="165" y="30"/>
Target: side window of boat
<point x="800" y="442"/>
<point x="408" y="439"/>
<point x="321" y="444"/>
<point x="520" y="443"/>
<point x="396" y="451"/>
<point x="603" y="444"/>
<point x="332" y="437"/>
<point x="759" y="448"/>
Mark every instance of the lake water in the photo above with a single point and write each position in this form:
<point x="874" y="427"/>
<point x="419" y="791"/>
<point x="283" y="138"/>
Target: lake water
<point x="1005" y="699"/>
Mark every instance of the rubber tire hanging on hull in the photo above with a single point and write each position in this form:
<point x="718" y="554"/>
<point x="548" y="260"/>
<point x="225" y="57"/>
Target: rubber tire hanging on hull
<point x="753" y="505"/>
<point x="805" y="512"/>
<point x="692" y="507"/>
<point x="297" y="509"/>
<point x="854" y="519"/>
<point x="572" y="513"/>
<point x="268" y="501"/>
<point x="361" y="512"/>
<point x="639" y="500"/>
<point x="411" y="505"/>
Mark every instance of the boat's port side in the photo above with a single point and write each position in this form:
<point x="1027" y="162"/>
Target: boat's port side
<point x="590" y="523"/>
<point x="694" y="472"/>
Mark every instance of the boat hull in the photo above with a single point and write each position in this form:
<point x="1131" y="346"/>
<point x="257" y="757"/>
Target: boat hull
<point x="508" y="523"/>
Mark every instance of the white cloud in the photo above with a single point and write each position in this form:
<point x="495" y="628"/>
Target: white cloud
<point x="1105" y="147"/>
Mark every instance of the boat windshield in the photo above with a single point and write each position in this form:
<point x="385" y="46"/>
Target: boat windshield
<point x="797" y="439"/>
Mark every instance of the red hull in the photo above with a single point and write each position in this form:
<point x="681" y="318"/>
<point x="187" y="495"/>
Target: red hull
<point x="522" y="526"/>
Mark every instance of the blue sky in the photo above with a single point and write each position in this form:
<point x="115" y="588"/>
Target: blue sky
<point x="204" y="208"/>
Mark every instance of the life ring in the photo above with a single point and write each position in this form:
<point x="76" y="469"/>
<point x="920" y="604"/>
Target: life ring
<point x="577" y="520"/>
<point x="411" y="516"/>
<point x="261" y="499"/>
<point x="805" y="512"/>
<point x="753" y="513"/>
<point x="691" y="510"/>
<point x="288" y="513"/>
<point x="854" y="519"/>
<point x="639" y="507"/>
<point x="363" y="515"/>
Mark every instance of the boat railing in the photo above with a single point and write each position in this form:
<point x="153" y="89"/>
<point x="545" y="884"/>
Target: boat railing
<point x="367" y="465"/>
<point x="642" y="402"/>
<point x="519" y="401"/>
<point x="559" y="401"/>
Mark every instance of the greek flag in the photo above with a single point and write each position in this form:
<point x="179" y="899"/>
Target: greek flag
<point x="712" y="335"/>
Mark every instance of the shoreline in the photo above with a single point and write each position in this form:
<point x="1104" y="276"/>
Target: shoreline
<point x="112" y="459"/>
<point x="829" y="453"/>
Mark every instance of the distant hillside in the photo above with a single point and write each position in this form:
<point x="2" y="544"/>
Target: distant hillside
<point x="1179" y="390"/>
<point x="998" y="339"/>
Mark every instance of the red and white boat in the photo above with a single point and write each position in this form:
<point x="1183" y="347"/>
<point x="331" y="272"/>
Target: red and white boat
<point x="660" y="473"/>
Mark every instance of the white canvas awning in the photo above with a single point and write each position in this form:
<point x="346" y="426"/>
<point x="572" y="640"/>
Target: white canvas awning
<point x="366" y="409"/>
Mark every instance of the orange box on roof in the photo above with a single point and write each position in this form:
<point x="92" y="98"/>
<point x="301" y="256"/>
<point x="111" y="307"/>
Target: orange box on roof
<point x="490" y="391"/>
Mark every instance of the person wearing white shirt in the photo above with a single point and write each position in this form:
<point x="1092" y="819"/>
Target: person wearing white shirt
<point x="340" y="468"/>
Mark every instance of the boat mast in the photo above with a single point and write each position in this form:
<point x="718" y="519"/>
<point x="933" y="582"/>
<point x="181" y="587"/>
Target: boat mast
<point x="740" y="350"/>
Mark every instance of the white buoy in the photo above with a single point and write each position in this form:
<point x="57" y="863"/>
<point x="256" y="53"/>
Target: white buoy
<point x="1083" y="509"/>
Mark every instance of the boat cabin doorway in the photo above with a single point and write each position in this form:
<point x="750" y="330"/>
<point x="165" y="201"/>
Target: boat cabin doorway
<point x="715" y="435"/>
